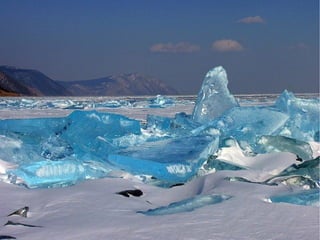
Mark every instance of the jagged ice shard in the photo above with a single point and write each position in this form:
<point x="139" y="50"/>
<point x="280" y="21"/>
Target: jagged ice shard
<point x="304" y="114"/>
<point x="214" y="97"/>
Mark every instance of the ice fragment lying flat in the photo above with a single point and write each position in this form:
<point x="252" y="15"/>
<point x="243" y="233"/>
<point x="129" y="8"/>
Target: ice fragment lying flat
<point x="170" y="160"/>
<point x="47" y="174"/>
<point x="306" y="198"/>
<point x="187" y="205"/>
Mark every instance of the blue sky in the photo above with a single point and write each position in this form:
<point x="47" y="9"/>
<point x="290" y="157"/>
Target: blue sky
<point x="266" y="46"/>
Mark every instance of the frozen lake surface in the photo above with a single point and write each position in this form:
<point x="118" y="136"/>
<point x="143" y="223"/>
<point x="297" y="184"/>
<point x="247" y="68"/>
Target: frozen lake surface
<point x="93" y="210"/>
<point x="139" y="106"/>
<point x="213" y="166"/>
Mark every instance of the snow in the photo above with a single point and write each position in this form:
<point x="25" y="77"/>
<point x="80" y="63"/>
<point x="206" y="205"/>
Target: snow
<point x="92" y="210"/>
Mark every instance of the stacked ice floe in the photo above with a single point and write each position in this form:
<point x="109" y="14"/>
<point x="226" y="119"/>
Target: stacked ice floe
<point x="219" y="135"/>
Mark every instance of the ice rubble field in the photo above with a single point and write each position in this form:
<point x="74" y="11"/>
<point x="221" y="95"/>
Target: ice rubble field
<point x="219" y="170"/>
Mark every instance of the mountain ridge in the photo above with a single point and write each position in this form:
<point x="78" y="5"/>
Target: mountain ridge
<point x="38" y="83"/>
<point x="31" y="82"/>
<point x="11" y="87"/>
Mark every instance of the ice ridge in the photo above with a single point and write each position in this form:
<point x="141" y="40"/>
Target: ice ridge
<point x="219" y="135"/>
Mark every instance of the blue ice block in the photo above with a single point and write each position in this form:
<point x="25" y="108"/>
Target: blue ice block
<point x="304" y="116"/>
<point x="214" y="97"/>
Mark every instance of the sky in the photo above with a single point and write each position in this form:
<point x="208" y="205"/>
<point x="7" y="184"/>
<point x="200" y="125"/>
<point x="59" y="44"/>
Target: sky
<point x="265" y="46"/>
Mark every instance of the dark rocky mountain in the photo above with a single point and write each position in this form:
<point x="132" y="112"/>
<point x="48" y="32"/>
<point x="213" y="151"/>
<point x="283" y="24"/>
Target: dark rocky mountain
<point x="38" y="83"/>
<point x="11" y="87"/>
<point x="28" y="82"/>
<point x="119" y="85"/>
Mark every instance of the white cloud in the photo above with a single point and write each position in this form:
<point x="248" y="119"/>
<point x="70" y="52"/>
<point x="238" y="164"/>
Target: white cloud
<point x="181" y="47"/>
<point x="248" y="20"/>
<point x="227" y="45"/>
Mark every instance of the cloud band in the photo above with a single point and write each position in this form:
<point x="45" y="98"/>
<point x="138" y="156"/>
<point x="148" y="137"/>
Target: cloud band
<point x="249" y="20"/>
<point x="227" y="45"/>
<point x="181" y="47"/>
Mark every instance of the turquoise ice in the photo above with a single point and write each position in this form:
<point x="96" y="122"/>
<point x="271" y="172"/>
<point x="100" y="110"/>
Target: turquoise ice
<point x="61" y="151"/>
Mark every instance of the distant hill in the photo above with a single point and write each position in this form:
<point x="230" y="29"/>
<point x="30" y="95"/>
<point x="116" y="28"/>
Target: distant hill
<point x="16" y="81"/>
<point x="12" y="87"/>
<point x="119" y="85"/>
<point x="38" y="83"/>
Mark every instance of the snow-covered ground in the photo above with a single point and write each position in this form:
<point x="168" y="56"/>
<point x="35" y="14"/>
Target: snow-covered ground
<point x="93" y="210"/>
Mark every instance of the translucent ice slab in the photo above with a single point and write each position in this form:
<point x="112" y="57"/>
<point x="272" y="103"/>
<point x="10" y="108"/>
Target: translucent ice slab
<point x="214" y="97"/>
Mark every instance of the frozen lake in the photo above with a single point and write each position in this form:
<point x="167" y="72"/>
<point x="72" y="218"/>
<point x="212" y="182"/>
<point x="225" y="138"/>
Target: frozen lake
<point x="260" y="200"/>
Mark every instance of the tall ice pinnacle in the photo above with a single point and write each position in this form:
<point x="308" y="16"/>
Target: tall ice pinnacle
<point x="214" y="97"/>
